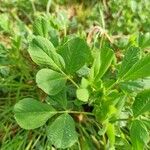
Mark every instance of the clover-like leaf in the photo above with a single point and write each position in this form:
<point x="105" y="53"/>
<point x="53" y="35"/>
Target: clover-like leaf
<point x="51" y="82"/>
<point x="41" y="26"/>
<point x="141" y="103"/>
<point x="139" y="70"/>
<point x="43" y="53"/>
<point x="31" y="114"/>
<point x="139" y="135"/>
<point x="101" y="63"/>
<point x="132" y="55"/>
<point x="106" y="57"/>
<point x="62" y="132"/>
<point x="76" y="54"/>
<point x="82" y="94"/>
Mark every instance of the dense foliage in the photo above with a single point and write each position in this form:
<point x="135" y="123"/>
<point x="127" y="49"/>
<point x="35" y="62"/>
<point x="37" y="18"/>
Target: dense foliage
<point x="74" y="75"/>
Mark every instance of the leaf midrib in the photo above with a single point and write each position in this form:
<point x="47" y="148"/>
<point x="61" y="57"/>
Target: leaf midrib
<point x="34" y="112"/>
<point x="63" y="130"/>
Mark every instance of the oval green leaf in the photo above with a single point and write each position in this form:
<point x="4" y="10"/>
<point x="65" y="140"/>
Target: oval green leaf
<point x="141" y="103"/>
<point x="82" y="94"/>
<point x="51" y="82"/>
<point x="103" y="62"/>
<point x="41" y="26"/>
<point x="75" y="53"/>
<point x="139" y="70"/>
<point x="43" y="53"/>
<point x="62" y="132"/>
<point x="139" y="135"/>
<point x="132" y="55"/>
<point x="31" y="114"/>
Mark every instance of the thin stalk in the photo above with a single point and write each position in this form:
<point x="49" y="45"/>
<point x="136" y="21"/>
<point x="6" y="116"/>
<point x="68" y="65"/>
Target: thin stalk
<point x="36" y="142"/>
<point x="69" y="78"/>
<point x="33" y="6"/>
<point x="65" y="32"/>
<point x="101" y="41"/>
<point x="29" y="145"/>
<point x="16" y="85"/>
<point x="19" y="89"/>
<point x="96" y="37"/>
<point x="79" y="146"/>
<point x="74" y="112"/>
<point x="104" y="141"/>
<point x="73" y="82"/>
<point x="102" y="18"/>
<point x="48" y="6"/>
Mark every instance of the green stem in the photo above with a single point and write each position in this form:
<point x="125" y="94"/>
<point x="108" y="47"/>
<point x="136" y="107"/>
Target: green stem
<point x="65" y="32"/>
<point x="29" y="145"/>
<point x="101" y="41"/>
<point x="72" y="112"/>
<point x="48" y="6"/>
<point x="69" y="78"/>
<point x="33" y="7"/>
<point x="104" y="141"/>
<point x="75" y="112"/>
<point x="16" y="85"/>
<point x="33" y="145"/>
<point x="102" y="18"/>
<point x="73" y="82"/>
<point x="79" y="146"/>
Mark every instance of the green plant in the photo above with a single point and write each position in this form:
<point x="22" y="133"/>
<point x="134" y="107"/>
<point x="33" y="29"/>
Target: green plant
<point x="89" y="82"/>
